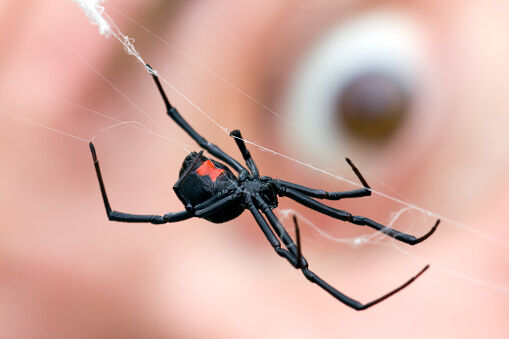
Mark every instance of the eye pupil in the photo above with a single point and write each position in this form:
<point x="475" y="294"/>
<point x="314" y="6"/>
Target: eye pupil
<point x="373" y="106"/>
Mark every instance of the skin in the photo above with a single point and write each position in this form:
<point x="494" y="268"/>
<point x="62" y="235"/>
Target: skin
<point x="66" y="271"/>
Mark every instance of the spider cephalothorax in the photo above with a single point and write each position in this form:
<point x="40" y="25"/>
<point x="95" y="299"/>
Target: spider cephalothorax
<point x="209" y="189"/>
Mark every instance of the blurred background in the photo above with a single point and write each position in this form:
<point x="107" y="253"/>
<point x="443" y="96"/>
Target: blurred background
<point x="414" y="92"/>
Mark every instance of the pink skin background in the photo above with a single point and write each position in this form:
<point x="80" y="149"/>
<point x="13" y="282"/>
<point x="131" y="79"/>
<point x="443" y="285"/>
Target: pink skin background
<point x="67" y="272"/>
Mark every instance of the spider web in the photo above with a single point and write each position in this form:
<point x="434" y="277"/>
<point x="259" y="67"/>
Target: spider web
<point x="98" y="17"/>
<point x="96" y="13"/>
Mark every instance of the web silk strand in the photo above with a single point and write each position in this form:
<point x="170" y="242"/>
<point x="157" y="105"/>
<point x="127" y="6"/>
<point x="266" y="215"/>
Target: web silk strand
<point x="99" y="18"/>
<point x="96" y="14"/>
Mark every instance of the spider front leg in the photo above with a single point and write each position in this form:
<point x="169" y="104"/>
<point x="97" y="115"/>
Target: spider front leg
<point x="127" y="217"/>
<point x="357" y="220"/>
<point x="322" y="194"/>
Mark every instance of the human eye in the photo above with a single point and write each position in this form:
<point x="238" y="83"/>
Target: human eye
<point x="363" y="88"/>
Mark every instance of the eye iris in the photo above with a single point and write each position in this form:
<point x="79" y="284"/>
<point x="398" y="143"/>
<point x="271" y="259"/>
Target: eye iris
<point x="373" y="106"/>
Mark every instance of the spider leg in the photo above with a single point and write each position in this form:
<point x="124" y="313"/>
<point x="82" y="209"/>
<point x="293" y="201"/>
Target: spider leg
<point x="210" y="147"/>
<point x="245" y="153"/>
<point x="406" y="238"/>
<point x="322" y="194"/>
<point x="269" y="234"/>
<point x="352" y="302"/>
<point x="211" y="200"/>
<point x="279" y="229"/>
<point x="311" y="276"/>
<point x="297" y="237"/>
<point x="127" y="217"/>
<point x="216" y="205"/>
<point x="357" y="220"/>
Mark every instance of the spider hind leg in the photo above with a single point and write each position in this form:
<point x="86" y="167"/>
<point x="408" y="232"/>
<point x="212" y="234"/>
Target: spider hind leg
<point x="174" y="114"/>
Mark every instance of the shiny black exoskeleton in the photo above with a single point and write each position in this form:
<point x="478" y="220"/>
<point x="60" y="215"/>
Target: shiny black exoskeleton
<point x="209" y="189"/>
<point x="203" y="182"/>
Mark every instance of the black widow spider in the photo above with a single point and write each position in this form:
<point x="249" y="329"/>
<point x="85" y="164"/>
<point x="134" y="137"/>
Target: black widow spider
<point x="208" y="189"/>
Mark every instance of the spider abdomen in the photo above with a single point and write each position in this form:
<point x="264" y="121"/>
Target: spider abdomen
<point x="206" y="179"/>
<point x="227" y="213"/>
